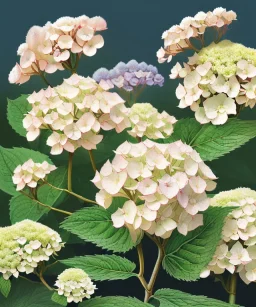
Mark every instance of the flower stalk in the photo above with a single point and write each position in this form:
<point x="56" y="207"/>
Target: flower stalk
<point x="70" y="165"/>
<point x="92" y="160"/>
<point x="232" y="289"/>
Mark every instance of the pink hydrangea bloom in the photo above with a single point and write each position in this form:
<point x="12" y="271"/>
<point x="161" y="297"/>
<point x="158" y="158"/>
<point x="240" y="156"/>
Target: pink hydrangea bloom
<point x="49" y="48"/>
<point x="75" y="112"/>
<point x="30" y="172"/>
<point x="178" y="37"/>
<point x="165" y="185"/>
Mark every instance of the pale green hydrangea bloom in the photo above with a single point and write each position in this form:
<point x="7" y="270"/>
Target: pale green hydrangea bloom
<point x="75" y="285"/>
<point x="227" y="198"/>
<point x="24" y="245"/>
<point x="147" y="121"/>
<point x="225" y="55"/>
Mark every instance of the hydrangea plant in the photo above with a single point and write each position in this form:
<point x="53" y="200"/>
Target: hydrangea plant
<point x="143" y="175"/>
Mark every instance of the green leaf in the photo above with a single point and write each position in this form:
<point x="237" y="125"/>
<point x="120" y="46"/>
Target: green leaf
<point x="187" y="256"/>
<point x="10" y="159"/>
<point x="103" y="267"/>
<point x="185" y="130"/>
<point x="176" y="298"/>
<point x="22" y="207"/>
<point x="61" y="300"/>
<point x="113" y="301"/>
<point x="94" y="224"/>
<point x="210" y="141"/>
<point x="16" y="109"/>
<point x="28" y="294"/>
<point x="5" y="286"/>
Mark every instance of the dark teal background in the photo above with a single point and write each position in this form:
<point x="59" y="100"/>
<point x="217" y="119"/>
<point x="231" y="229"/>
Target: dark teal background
<point x="134" y="31"/>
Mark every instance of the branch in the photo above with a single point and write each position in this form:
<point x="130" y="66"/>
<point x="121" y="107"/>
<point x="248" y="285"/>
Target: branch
<point x="92" y="160"/>
<point x="232" y="289"/>
<point x="72" y="193"/>
<point x="40" y="276"/>
<point x="141" y="263"/>
<point x="46" y="206"/>
<point x="70" y="163"/>
<point x="157" y="267"/>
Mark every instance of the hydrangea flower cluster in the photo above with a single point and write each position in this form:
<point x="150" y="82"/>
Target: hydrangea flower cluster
<point x="30" y="172"/>
<point x="75" y="112"/>
<point x="129" y="76"/>
<point x="236" y="251"/>
<point x="179" y="37"/>
<point x="165" y="185"/>
<point x="24" y="245"/>
<point x="218" y="81"/>
<point x="75" y="285"/>
<point x="147" y="121"/>
<point x="51" y="47"/>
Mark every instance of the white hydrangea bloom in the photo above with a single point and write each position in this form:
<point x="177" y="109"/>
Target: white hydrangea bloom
<point x="147" y="121"/>
<point x="236" y="251"/>
<point x="30" y="172"/>
<point x="24" y="245"/>
<point x="164" y="185"/>
<point x="75" y="285"/>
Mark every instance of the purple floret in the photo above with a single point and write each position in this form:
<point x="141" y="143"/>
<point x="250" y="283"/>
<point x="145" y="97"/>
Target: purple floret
<point x="113" y="73"/>
<point x="150" y="81"/>
<point x="101" y="73"/>
<point x="128" y="76"/>
<point x="153" y="69"/>
<point x="132" y="66"/>
<point x="134" y="81"/>
<point x="159" y="79"/>
<point x="121" y="68"/>
<point x="143" y="66"/>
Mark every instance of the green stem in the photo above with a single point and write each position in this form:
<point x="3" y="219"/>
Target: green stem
<point x="232" y="289"/>
<point x="43" y="281"/>
<point x="72" y="193"/>
<point x="44" y="79"/>
<point x="92" y="160"/>
<point x="70" y="164"/>
<point x="141" y="263"/>
<point x="157" y="267"/>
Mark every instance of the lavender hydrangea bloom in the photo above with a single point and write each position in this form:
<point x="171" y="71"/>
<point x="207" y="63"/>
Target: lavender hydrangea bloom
<point x="131" y="75"/>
